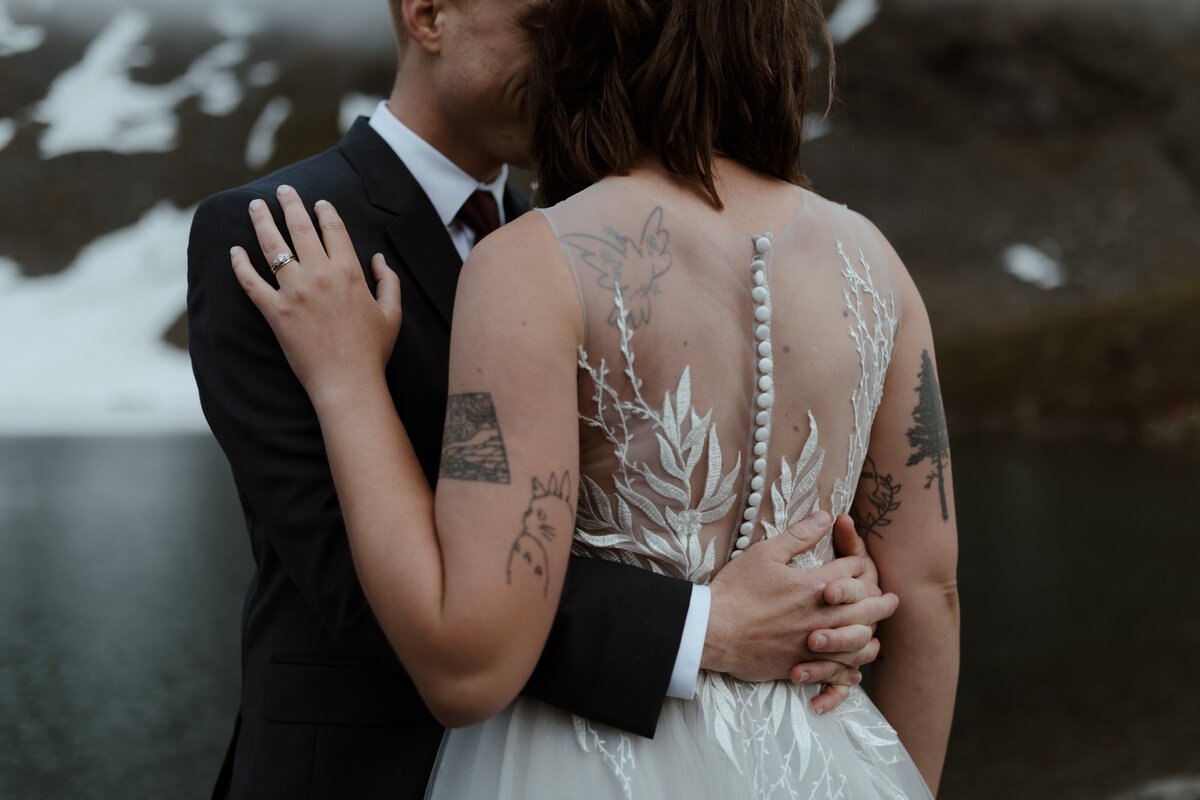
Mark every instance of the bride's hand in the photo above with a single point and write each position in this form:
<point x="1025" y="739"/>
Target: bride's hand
<point x="335" y="334"/>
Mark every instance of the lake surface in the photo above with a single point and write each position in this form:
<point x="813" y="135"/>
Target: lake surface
<point x="123" y="563"/>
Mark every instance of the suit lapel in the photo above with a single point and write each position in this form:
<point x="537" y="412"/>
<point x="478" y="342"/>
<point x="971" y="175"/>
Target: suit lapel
<point x="426" y="252"/>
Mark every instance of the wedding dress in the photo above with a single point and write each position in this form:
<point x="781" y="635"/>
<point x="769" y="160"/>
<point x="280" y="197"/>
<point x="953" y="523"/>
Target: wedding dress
<point x="727" y="390"/>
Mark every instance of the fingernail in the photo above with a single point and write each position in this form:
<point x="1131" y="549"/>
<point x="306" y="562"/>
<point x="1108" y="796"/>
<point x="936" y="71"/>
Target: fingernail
<point x="820" y="711"/>
<point x="256" y="204"/>
<point x="320" y="203"/>
<point x="284" y="189"/>
<point x="804" y="676"/>
<point x="822" y="518"/>
<point x="233" y="251"/>
<point x="820" y="642"/>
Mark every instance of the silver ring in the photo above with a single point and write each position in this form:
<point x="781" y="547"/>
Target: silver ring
<point x="281" y="260"/>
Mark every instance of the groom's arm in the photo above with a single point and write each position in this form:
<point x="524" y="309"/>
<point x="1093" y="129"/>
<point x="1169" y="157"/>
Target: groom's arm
<point x="263" y="420"/>
<point x="618" y="640"/>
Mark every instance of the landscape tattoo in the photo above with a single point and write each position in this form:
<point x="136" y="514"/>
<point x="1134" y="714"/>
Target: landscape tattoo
<point x="632" y="267"/>
<point x="928" y="436"/>
<point x="472" y="447"/>
<point x="548" y="516"/>
<point x="875" y="500"/>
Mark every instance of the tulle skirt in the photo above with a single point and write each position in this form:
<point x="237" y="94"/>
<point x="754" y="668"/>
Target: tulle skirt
<point x="734" y="741"/>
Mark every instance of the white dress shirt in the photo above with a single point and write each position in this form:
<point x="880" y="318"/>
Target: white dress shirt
<point x="447" y="186"/>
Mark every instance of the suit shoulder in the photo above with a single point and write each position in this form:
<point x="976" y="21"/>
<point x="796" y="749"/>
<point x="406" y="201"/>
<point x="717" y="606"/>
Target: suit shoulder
<point x="325" y="171"/>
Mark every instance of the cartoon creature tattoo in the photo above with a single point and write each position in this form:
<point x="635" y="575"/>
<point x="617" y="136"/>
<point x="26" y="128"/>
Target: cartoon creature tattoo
<point x="635" y="267"/>
<point x="549" y="514"/>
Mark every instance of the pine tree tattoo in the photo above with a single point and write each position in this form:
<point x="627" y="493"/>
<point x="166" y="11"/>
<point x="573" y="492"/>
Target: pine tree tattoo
<point x="928" y="436"/>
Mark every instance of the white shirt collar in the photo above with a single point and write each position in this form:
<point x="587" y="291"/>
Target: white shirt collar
<point x="445" y="183"/>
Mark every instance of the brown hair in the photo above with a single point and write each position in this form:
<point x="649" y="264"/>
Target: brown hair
<point x="681" y="80"/>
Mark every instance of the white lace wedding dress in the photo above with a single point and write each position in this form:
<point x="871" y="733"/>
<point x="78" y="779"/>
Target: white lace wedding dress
<point x="727" y="389"/>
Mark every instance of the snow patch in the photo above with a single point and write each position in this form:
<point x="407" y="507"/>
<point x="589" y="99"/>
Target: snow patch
<point x="850" y="17"/>
<point x="84" y="350"/>
<point x="1027" y="263"/>
<point x="264" y="73"/>
<point x="95" y="105"/>
<point x="8" y="130"/>
<point x="260" y="146"/>
<point x="355" y="105"/>
<point x="16" y="38"/>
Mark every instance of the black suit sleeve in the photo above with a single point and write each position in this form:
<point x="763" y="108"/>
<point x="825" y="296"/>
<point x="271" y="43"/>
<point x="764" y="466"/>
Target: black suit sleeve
<point x="261" y="416"/>
<point x="613" y="644"/>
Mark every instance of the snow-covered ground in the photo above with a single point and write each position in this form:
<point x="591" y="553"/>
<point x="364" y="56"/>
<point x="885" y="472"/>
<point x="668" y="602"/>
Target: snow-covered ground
<point x="82" y="351"/>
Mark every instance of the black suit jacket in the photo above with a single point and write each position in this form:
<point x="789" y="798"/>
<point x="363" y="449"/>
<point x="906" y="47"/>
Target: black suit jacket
<point x="326" y="708"/>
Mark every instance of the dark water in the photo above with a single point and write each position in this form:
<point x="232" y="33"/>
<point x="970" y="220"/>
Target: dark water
<point x="123" y="562"/>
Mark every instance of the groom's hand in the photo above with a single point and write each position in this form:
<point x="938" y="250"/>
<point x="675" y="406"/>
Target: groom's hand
<point x="771" y="622"/>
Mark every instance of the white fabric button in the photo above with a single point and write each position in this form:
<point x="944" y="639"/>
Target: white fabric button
<point x="743" y="542"/>
<point x="760" y="465"/>
<point x="764" y="348"/>
<point x="758" y="264"/>
<point x="763" y="417"/>
<point x="757" y="483"/>
<point x="762" y="331"/>
<point x="765" y="365"/>
<point x="750" y="514"/>
<point x="758" y="277"/>
<point x="765" y="383"/>
<point x="734" y="554"/>
<point x="762" y="434"/>
<point x="762" y="245"/>
<point x="764" y="400"/>
<point x="762" y="314"/>
<point x="759" y="293"/>
<point x="754" y="499"/>
<point x="747" y="528"/>
<point x="760" y="449"/>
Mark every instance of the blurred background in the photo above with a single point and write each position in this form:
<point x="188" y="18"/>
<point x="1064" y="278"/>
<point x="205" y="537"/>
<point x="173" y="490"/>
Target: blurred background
<point x="1035" y="162"/>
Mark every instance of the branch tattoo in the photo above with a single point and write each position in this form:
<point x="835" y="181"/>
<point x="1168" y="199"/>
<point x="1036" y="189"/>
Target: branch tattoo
<point x="928" y="436"/>
<point x="549" y="515"/>
<point x="634" y="267"/>
<point x="472" y="447"/>
<point x="875" y="500"/>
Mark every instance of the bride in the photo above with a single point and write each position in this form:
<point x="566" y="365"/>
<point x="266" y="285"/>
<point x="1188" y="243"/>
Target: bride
<point x="688" y="353"/>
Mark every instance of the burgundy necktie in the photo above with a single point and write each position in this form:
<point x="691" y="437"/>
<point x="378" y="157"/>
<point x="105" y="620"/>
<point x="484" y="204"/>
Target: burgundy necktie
<point x="480" y="213"/>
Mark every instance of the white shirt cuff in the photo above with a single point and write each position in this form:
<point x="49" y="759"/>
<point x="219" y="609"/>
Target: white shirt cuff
<point x="691" y="645"/>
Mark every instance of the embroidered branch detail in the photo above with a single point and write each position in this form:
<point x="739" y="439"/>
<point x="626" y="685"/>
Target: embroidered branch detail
<point x="874" y="341"/>
<point x="472" y="447"/>
<point x="632" y="268"/>
<point x="876" y="499"/>
<point x="653" y="521"/>
<point x="548" y="515"/>
<point x="928" y="436"/>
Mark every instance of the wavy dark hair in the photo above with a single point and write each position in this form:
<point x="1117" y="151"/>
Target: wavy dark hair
<point x="680" y="80"/>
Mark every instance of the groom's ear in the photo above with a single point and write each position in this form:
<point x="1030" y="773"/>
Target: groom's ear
<point x="423" y="19"/>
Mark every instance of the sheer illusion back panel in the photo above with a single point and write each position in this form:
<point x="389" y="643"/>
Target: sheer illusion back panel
<point x="684" y="346"/>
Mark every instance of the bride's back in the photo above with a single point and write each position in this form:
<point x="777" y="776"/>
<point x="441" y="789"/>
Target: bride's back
<point x="732" y="365"/>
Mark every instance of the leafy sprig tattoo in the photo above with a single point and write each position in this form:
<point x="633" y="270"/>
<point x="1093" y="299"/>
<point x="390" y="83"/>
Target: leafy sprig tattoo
<point x="472" y="446"/>
<point x="876" y="499"/>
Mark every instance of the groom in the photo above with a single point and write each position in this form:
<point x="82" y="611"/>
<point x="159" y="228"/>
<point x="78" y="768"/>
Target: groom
<point x="326" y="708"/>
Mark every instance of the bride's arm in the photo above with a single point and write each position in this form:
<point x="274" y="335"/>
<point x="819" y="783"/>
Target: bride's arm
<point x="905" y="508"/>
<point x="467" y="604"/>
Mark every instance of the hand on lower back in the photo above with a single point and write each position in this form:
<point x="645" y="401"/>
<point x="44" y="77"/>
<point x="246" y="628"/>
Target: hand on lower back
<point x="770" y="621"/>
